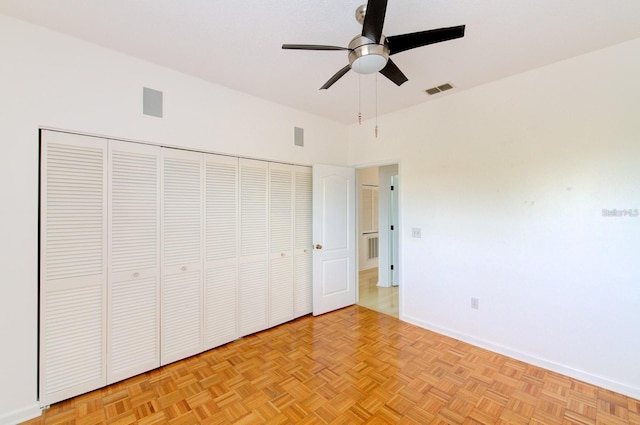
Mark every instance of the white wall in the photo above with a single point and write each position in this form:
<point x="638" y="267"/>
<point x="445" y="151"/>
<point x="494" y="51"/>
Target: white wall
<point x="508" y="182"/>
<point x="368" y="176"/>
<point x="47" y="79"/>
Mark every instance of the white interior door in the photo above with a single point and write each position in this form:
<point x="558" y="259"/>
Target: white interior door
<point x="394" y="236"/>
<point x="221" y="250"/>
<point x="133" y="331"/>
<point x="182" y="259"/>
<point x="334" y="236"/>
<point x="253" y="294"/>
<point x="281" y="282"/>
<point x="303" y="243"/>
<point x="73" y="265"/>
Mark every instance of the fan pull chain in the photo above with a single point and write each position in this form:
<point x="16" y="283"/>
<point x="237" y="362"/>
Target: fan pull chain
<point x="376" y="130"/>
<point x="359" y="99"/>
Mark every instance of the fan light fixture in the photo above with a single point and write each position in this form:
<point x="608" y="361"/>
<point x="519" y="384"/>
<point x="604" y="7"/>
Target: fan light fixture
<point x="366" y="57"/>
<point x="369" y="64"/>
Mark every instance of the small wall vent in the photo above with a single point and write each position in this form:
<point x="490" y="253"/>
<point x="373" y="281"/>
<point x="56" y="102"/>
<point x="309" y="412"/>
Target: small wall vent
<point x="439" y="89"/>
<point x="152" y="102"/>
<point x="298" y="136"/>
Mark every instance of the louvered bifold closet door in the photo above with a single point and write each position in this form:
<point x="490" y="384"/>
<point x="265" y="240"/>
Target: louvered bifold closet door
<point x="253" y="294"/>
<point x="133" y="342"/>
<point x="73" y="265"/>
<point x="303" y="243"/>
<point x="280" y="243"/>
<point x="221" y="250"/>
<point x="182" y="254"/>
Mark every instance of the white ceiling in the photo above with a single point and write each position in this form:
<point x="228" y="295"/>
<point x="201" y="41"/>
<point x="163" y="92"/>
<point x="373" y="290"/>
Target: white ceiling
<point x="238" y="43"/>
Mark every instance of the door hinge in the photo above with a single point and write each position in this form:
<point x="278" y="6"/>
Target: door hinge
<point x="392" y="227"/>
<point x="392" y="267"/>
<point x="391" y="187"/>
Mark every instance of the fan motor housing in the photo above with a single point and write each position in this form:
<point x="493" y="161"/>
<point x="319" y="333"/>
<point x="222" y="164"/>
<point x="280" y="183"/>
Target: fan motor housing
<point x="366" y="56"/>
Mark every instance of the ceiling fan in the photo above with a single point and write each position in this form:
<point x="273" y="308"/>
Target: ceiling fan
<point x="369" y="52"/>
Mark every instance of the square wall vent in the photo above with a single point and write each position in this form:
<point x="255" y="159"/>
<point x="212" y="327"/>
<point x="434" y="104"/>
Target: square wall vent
<point x="439" y="89"/>
<point x="152" y="102"/>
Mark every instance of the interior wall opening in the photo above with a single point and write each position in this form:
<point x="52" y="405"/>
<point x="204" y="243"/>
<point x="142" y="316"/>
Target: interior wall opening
<point x="378" y="238"/>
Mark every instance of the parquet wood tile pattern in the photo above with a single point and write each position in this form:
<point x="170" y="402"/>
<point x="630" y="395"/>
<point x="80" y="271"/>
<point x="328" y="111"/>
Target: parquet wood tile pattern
<point x="351" y="366"/>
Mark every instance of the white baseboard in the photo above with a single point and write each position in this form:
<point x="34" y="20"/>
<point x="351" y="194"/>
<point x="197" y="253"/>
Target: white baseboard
<point x="581" y="375"/>
<point x="20" y="415"/>
<point x="366" y="267"/>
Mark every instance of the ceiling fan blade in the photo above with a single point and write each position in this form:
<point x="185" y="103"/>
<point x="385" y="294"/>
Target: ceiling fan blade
<point x="392" y="72"/>
<point x="400" y="43"/>
<point x="312" y="47"/>
<point x="374" y="19"/>
<point x="336" y="77"/>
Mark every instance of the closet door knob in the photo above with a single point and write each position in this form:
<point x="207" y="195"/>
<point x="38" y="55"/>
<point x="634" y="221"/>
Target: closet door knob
<point x="282" y="254"/>
<point x="183" y="268"/>
<point x="318" y="246"/>
<point x="136" y="274"/>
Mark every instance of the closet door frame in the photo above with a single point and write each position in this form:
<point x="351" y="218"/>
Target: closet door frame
<point x="257" y="305"/>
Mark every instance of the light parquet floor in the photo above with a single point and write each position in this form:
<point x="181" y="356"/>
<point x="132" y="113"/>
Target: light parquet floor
<point x="347" y="367"/>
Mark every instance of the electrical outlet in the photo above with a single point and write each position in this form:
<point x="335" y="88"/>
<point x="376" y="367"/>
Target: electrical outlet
<point x="475" y="303"/>
<point x="416" y="232"/>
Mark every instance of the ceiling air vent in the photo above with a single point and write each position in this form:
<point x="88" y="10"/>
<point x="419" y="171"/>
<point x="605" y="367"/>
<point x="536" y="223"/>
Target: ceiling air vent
<point x="441" y="88"/>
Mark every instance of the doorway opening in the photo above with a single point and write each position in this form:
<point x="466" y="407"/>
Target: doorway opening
<point x="378" y="239"/>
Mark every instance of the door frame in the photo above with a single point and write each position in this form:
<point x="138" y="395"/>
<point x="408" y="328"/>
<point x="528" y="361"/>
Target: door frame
<point x="400" y="227"/>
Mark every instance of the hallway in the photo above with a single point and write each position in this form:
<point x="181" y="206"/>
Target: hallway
<point x="380" y="299"/>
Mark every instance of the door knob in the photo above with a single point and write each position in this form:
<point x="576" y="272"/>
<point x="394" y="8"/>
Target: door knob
<point x="318" y="246"/>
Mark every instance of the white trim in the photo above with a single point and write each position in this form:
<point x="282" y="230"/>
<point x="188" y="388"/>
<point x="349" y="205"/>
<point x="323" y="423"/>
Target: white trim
<point x="21" y="415"/>
<point x="581" y="375"/>
<point x="165" y="145"/>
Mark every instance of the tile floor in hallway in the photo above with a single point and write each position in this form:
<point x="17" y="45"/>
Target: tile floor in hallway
<point x="350" y="366"/>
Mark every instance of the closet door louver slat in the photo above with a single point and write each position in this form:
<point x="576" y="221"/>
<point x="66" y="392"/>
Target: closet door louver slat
<point x="221" y="246"/>
<point x="73" y="266"/>
<point x="134" y="279"/>
<point x="182" y="255"/>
